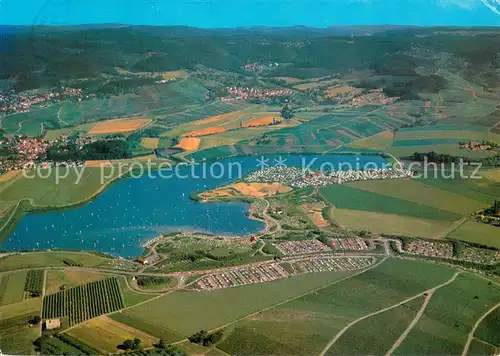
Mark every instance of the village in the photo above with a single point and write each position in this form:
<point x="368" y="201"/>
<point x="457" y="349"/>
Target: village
<point x="477" y="146"/>
<point x="21" y="102"/>
<point x="27" y="153"/>
<point x="299" y="178"/>
<point x="242" y="93"/>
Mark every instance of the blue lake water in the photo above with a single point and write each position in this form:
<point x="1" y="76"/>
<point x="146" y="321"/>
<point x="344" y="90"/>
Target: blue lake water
<point x="134" y="210"/>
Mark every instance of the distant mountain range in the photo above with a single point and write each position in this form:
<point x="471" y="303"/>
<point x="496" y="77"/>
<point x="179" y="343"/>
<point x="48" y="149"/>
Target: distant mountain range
<point x="186" y="31"/>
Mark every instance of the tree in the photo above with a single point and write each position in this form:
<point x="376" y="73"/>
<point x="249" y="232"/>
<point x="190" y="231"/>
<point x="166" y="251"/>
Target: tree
<point x="35" y="320"/>
<point x="127" y="345"/>
<point x="136" y="344"/>
<point x="287" y="112"/>
<point x="161" y="344"/>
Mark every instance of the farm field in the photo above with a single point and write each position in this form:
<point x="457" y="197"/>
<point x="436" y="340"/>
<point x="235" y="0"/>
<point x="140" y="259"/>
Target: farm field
<point x="314" y="319"/>
<point x="186" y="312"/>
<point x="159" y="332"/>
<point x="414" y="191"/>
<point x="106" y="334"/>
<point x="69" y="278"/>
<point x="130" y="297"/>
<point x="51" y="259"/>
<point x="444" y="326"/>
<point x="477" y="232"/>
<point x="28" y="306"/>
<point x="84" y="302"/>
<point x="150" y="142"/>
<point x="346" y="197"/>
<point x="118" y="126"/>
<point x="12" y="287"/>
<point x="390" y="223"/>
<point x="361" y="338"/>
<point x="380" y="141"/>
<point x="189" y="143"/>
<point x="486" y="330"/>
<point x="484" y="190"/>
<point x="16" y="335"/>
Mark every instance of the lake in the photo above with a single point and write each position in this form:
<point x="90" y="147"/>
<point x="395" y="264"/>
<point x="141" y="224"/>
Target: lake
<point x="134" y="210"/>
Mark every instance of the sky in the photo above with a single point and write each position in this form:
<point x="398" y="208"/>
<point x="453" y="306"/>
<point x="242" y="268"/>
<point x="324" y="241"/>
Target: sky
<point x="238" y="13"/>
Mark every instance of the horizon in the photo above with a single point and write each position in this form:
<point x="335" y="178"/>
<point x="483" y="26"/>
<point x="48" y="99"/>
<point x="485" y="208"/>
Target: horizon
<point x="215" y="14"/>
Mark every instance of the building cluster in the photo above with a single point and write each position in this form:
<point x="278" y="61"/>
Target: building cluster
<point x="241" y="93"/>
<point x="299" y="178"/>
<point x="479" y="255"/>
<point x="22" y="102"/>
<point x="254" y="67"/>
<point x="430" y="249"/>
<point x="332" y="264"/>
<point x="373" y="97"/>
<point x="31" y="152"/>
<point x="477" y="146"/>
<point x="271" y="271"/>
<point x="241" y="276"/>
<point x="350" y="243"/>
<point x="302" y="246"/>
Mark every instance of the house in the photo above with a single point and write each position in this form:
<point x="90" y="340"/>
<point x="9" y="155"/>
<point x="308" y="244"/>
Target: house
<point x="51" y="324"/>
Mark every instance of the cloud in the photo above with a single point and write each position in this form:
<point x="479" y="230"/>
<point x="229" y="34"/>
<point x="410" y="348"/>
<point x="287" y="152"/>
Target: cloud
<point x="493" y="5"/>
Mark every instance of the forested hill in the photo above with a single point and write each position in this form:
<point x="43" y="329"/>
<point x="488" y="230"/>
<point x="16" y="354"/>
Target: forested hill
<point x="42" y="58"/>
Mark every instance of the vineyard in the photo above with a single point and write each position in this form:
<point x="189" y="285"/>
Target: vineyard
<point x="84" y="302"/>
<point x="34" y="282"/>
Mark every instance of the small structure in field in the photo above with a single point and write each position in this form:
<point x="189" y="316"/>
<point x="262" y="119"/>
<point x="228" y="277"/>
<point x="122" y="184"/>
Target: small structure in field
<point x="51" y="324"/>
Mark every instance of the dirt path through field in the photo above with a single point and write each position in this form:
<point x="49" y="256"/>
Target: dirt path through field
<point x="354" y="322"/>
<point x="476" y="325"/>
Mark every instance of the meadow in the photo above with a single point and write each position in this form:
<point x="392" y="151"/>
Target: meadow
<point x="12" y="287"/>
<point x="51" y="259"/>
<point x="347" y="197"/>
<point x="477" y="232"/>
<point x="444" y="326"/>
<point x="17" y="336"/>
<point x="68" y="278"/>
<point x="390" y="223"/>
<point x="414" y="191"/>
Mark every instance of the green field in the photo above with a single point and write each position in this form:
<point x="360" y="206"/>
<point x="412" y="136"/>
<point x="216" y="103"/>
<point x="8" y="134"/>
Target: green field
<point x="67" y="279"/>
<point x="390" y="223"/>
<point x="477" y="232"/>
<point x="488" y="329"/>
<point x="167" y="335"/>
<point x="16" y="336"/>
<point x="12" y="287"/>
<point x="314" y="319"/>
<point x="129" y="296"/>
<point x="362" y="338"/>
<point x="346" y="197"/>
<point x="414" y="191"/>
<point x="52" y="259"/>
<point x="450" y="316"/>
<point x="187" y="312"/>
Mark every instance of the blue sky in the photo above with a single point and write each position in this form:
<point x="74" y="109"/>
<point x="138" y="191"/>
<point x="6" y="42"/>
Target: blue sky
<point x="235" y="13"/>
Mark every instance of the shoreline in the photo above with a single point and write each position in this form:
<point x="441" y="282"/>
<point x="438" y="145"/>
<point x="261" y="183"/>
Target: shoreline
<point x="17" y="214"/>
